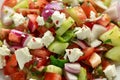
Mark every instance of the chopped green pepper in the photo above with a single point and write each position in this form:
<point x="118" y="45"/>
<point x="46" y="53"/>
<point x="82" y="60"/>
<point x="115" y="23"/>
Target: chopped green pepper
<point x="57" y="62"/>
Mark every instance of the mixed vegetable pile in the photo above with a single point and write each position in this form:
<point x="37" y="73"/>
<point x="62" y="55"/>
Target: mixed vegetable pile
<point x="60" y="39"/>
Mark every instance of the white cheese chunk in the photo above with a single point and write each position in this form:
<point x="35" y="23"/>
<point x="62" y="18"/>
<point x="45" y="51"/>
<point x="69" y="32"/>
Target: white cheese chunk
<point x="2" y="62"/>
<point x="73" y="54"/>
<point x="18" y="19"/>
<point x="40" y="21"/>
<point x="92" y="15"/>
<point x="4" y="50"/>
<point x="35" y="43"/>
<point x="95" y="43"/>
<point x="48" y="38"/>
<point x="58" y="18"/>
<point x="23" y="56"/>
<point x="83" y="33"/>
<point x="97" y="30"/>
<point x="32" y="79"/>
<point x="95" y="60"/>
<point x="110" y="72"/>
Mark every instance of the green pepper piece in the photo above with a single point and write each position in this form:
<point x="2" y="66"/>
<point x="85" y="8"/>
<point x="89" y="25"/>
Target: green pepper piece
<point x="57" y="62"/>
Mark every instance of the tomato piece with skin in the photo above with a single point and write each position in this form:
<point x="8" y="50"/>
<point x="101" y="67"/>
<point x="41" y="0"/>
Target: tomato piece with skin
<point x="38" y="4"/>
<point x="105" y="63"/>
<point x="87" y="8"/>
<point x="110" y="26"/>
<point x="32" y="24"/>
<point x="73" y="45"/>
<point x="10" y="3"/>
<point x="41" y="53"/>
<point x="20" y="75"/>
<point x="14" y="38"/>
<point x="52" y="76"/>
<point x="11" y="65"/>
<point x="87" y="53"/>
<point x="104" y="21"/>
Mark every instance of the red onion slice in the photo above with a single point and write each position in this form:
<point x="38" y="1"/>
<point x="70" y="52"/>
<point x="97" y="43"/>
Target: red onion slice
<point x="70" y="76"/>
<point x="72" y="68"/>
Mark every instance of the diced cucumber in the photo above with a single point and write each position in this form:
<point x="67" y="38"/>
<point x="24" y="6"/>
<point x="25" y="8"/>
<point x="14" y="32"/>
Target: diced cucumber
<point x="111" y="37"/>
<point x="65" y="26"/>
<point x="54" y="69"/>
<point x="58" y="47"/>
<point x="114" y="54"/>
<point x="83" y="74"/>
<point x="66" y="37"/>
<point x="22" y="4"/>
<point x="107" y="2"/>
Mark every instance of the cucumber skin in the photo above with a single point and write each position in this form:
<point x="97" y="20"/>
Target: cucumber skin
<point x="65" y="26"/>
<point x="58" y="47"/>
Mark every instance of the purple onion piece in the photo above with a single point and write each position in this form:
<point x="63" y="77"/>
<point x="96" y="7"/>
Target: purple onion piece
<point x="70" y="76"/>
<point x="72" y="68"/>
<point x="47" y="13"/>
<point x="50" y="8"/>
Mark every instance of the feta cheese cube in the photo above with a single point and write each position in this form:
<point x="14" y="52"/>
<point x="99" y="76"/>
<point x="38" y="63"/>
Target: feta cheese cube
<point x="32" y="79"/>
<point x="83" y="33"/>
<point x="4" y="50"/>
<point x="48" y="38"/>
<point x="95" y="43"/>
<point x="2" y="62"/>
<point x="110" y="72"/>
<point x="95" y="60"/>
<point x="35" y="43"/>
<point x="73" y="54"/>
<point x="23" y="56"/>
<point x="58" y="18"/>
<point x="97" y="30"/>
<point x="40" y="21"/>
<point x="18" y="19"/>
<point x="92" y="15"/>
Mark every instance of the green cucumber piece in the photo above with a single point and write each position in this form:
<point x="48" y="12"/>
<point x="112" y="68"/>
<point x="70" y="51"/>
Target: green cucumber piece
<point x="54" y="69"/>
<point x="66" y="37"/>
<point x="83" y="74"/>
<point x="22" y="4"/>
<point x="58" y="47"/>
<point x="65" y="26"/>
<point x="111" y="37"/>
<point x="114" y="54"/>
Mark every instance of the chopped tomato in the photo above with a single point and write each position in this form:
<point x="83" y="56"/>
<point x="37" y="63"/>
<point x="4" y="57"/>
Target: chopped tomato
<point x="4" y="33"/>
<point x="77" y="14"/>
<point x="41" y="53"/>
<point x="42" y="30"/>
<point x="105" y="63"/>
<point x="105" y="20"/>
<point x="11" y="66"/>
<point x="73" y="45"/>
<point x="14" y="38"/>
<point x="89" y="24"/>
<point x="87" y="53"/>
<point x="52" y="29"/>
<point x="38" y="4"/>
<point x="20" y="75"/>
<point x="110" y="26"/>
<point x="28" y="11"/>
<point x="10" y="3"/>
<point x="52" y="76"/>
<point x="32" y="25"/>
<point x="88" y="7"/>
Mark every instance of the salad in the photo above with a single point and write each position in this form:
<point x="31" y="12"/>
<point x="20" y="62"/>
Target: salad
<point x="60" y="39"/>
